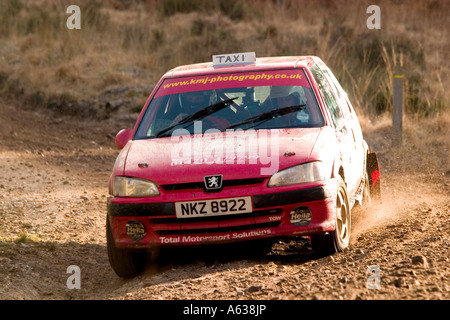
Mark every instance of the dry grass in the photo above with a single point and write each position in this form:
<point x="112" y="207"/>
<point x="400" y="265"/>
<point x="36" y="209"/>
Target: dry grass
<point x="135" y="42"/>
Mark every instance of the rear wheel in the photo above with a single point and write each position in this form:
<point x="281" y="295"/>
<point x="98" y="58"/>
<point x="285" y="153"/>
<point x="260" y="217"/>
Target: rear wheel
<point x="125" y="263"/>
<point x="338" y="239"/>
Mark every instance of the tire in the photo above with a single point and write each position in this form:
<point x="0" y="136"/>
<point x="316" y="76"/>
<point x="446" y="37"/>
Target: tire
<point x="125" y="263"/>
<point x="338" y="239"/>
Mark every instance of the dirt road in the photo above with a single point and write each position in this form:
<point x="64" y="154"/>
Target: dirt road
<point x="53" y="188"/>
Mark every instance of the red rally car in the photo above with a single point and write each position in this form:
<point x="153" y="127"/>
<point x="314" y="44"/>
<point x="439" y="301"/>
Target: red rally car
<point x="240" y="148"/>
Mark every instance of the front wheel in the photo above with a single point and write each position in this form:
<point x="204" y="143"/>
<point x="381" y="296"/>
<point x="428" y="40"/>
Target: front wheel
<point x="125" y="263"/>
<point x="338" y="239"/>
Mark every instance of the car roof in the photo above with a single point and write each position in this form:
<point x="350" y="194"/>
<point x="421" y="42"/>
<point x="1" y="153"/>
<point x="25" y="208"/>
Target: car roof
<point x="264" y="63"/>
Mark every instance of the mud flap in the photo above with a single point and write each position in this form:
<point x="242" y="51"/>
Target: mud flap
<point x="373" y="170"/>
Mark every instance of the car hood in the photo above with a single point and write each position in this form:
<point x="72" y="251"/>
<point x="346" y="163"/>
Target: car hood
<point x="235" y="155"/>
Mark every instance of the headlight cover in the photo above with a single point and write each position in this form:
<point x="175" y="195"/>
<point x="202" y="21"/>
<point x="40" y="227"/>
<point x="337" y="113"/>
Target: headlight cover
<point x="134" y="187"/>
<point x="307" y="172"/>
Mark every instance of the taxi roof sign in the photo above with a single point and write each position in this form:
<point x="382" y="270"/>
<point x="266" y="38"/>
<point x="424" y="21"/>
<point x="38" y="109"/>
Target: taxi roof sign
<point x="233" y="59"/>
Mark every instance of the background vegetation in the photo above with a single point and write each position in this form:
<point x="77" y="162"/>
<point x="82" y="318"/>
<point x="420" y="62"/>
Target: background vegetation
<point x="133" y="42"/>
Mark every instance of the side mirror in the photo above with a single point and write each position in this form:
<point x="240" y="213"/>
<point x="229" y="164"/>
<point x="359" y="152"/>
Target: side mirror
<point x="123" y="137"/>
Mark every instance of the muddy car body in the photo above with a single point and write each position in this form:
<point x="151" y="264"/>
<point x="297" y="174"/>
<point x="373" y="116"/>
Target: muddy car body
<point x="235" y="150"/>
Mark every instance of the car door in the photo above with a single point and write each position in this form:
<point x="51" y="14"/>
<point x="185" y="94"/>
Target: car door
<point x="343" y="127"/>
<point x="356" y="148"/>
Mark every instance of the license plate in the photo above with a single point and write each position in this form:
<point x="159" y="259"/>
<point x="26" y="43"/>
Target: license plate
<point x="218" y="207"/>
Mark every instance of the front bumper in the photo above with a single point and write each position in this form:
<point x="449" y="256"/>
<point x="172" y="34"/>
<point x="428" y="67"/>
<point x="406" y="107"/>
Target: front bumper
<point x="270" y="218"/>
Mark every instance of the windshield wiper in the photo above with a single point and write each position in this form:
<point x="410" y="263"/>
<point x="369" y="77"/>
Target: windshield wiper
<point x="199" y="114"/>
<point x="269" y="115"/>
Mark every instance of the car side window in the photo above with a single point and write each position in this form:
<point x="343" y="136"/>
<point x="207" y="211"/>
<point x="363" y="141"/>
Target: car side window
<point x="339" y="92"/>
<point x="325" y="88"/>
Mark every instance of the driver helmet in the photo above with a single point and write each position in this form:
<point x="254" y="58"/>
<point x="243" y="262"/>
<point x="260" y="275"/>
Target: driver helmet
<point x="277" y="92"/>
<point x="198" y="99"/>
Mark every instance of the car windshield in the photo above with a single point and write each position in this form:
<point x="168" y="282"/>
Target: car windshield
<point x="214" y="103"/>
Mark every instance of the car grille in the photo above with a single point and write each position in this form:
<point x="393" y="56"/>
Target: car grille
<point x="201" y="185"/>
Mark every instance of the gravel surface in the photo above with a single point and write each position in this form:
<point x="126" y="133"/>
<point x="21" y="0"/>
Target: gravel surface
<point x="53" y="188"/>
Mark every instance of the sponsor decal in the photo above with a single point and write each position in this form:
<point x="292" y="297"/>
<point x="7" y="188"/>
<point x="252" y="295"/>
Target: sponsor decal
<point x="294" y="77"/>
<point x="135" y="230"/>
<point x="211" y="238"/>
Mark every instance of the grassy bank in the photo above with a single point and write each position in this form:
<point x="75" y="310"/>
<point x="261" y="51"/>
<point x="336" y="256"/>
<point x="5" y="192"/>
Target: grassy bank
<point x="132" y="43"/>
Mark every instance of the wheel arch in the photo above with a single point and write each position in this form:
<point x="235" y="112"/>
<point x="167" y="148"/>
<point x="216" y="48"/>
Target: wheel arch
<point x="338" y="169"/>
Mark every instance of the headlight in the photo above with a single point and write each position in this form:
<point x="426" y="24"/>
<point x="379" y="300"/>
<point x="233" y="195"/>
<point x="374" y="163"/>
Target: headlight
<point x="134" y="187"/>
<point x="307" y="172"/>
